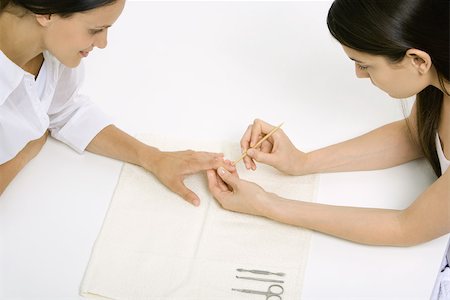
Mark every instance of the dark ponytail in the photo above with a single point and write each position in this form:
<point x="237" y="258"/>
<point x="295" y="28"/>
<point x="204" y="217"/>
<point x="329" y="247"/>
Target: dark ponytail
<point x="64" y="8"/>
<point x="389" y="28"/>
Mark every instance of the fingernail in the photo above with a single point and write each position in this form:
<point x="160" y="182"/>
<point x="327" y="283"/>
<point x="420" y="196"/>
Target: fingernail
<point x="221" y="170"/>
<point x="250" y="152"/>
<point x="196" y="202"/>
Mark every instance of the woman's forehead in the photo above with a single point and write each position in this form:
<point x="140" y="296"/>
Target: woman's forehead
<point x="103" y="16"/>
<point x="361" y="57"/>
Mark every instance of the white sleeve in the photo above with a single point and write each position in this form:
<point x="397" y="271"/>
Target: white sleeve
<point x="74" y="119"/>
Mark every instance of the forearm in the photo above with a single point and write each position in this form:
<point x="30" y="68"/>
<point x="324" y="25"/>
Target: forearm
<point x="427" y="218"/>
<point x="113" y="142"/>
<point x="361" y="225"/>
<point x="10" y="169"/>
<point x="381" y="148"/>
<point x="170" y="168"/>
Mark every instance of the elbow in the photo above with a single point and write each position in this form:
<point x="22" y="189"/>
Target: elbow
<point x="409" y="233"/>
<point x="2" y="188"/>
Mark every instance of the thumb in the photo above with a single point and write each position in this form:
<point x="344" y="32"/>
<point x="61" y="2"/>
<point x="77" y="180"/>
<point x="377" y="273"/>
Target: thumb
<point x="186" y="194"/>
<point x="259" y="156"/>
<point x="228" y="178"/>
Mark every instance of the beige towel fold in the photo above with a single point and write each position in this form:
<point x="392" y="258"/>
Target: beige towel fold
<point x="155" y="246"/>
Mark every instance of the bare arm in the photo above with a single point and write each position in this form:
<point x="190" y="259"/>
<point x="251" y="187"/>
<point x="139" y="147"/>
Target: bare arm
<point x="169" y="167"/>
<point x="427" y="218"/>
<point x="11" y="168"/>
<point x="113" y="142"/>
<point x="384" y="147"/>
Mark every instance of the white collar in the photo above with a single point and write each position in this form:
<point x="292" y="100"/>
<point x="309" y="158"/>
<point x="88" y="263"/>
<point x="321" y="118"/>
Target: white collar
<point x="10" y="76"/>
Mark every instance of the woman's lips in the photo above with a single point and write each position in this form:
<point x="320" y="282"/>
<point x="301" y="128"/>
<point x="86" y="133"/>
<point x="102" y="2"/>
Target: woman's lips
<point x="84" y="53"/>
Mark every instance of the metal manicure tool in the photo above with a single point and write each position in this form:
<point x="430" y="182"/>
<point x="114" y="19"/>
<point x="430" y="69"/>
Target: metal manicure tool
<point x="273" y="292"/>
<point x="261" y="272"/>
<point x="260" y="279"/>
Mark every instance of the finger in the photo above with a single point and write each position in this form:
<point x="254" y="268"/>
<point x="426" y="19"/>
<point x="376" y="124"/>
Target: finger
<point x="263" y="157"/>
<point x="266" y="147"/>
<point x="259" y="130"/>
<point x="228" y="178"/>
<point x="253" y="165"/>
<point x="229" y="166"/>
<point x="186" y="193"/>
<point x="202" y="161"/>
<point x="216" y="191"/>
<point x="215" y="183"/>
<point x="245" y="140"/>
<point x="248" y="162"/>
<point x="245" y="144"/>
<point x="256" y="134"/>
<point x="222" y="184"/>
<point x="213" y="154"/>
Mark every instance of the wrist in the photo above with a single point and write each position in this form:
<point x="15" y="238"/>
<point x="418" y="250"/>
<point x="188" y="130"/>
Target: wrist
<point x="302" y="165"/>
<point x="149" y="158"/>
<point x="273" y="204"/>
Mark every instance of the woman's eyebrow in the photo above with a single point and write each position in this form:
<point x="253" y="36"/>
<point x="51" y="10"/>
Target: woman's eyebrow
<point x="356" y="60"/>
<point x="103" y="26"/>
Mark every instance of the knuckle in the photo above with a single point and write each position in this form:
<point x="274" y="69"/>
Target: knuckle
<point x="186" y="195"/>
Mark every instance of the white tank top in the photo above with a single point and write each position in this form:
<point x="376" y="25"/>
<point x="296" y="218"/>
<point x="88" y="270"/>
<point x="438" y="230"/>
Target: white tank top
<point x="445" y="163"/>
<point x="443" y="274"/>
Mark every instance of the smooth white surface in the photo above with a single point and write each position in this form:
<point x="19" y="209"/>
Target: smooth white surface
<point x="205" y="70"/>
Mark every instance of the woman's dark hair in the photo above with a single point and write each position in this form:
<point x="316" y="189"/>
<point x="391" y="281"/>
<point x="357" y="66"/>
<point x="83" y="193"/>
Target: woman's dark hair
<point x="389" y="28"/>
<point x="63" y="8"/>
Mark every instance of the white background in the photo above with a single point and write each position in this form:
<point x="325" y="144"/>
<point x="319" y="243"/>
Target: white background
<point x="205" y="70"/>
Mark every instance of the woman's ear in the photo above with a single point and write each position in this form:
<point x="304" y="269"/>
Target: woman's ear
<point x="420" y="60"/>
<point x="44" y="20"/>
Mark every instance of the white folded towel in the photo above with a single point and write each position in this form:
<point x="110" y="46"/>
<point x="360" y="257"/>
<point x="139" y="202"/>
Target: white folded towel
<point x="154" y="245"/>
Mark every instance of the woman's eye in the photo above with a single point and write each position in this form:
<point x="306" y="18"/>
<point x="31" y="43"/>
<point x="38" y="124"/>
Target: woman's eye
<point x="362" y="68"/>
<point x="95" y="31"/>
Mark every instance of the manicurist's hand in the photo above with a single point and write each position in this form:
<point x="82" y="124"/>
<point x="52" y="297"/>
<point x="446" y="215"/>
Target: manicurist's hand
<point x="239" y="195"/>
<point x="277" y="151"/>
<point x="171" y="168"/>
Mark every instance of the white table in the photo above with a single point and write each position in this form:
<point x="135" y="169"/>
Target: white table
<point x="205" y="70"/>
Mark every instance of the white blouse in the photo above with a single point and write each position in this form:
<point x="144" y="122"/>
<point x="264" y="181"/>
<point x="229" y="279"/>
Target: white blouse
<point x="29" y="106"/>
